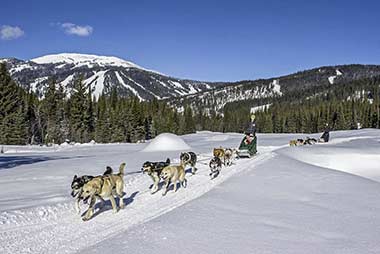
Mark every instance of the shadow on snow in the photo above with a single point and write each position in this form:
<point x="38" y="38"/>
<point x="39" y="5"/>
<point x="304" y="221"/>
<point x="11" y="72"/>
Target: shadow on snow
<point x="7" y="162"/>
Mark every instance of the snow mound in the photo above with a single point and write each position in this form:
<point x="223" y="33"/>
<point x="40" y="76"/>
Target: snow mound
<point x="166" y="142"/>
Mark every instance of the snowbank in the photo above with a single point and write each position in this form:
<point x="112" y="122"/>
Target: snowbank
<point x="166" y="142"/>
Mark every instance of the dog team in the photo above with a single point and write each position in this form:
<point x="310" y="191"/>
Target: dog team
<point x="222" y="156"/>
<point x="110" y="185"/>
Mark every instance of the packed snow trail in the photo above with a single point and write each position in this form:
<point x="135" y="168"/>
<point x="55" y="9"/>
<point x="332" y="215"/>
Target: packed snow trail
<point x="57" y="229"/>
<point x="279" y="200"/>
<point x="284" y="205"/>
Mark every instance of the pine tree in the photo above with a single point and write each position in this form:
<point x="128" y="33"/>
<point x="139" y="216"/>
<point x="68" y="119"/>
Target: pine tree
<point x="89" y="117"/>
<point x="189" y="124"/>
<point x="78" y="109"/>
<point x="12" y="111"/>
<point x="50" y="107"/>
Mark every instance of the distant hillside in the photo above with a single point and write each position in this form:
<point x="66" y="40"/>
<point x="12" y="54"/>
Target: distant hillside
<point x="265" y="89"/>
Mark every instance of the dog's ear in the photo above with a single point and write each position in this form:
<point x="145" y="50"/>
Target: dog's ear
<point x="108" y="171"/>
<point x="167" y="161"/>
<point x="75" y="177"/>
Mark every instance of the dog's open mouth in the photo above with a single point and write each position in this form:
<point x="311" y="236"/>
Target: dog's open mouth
<point x="85" y="199"/>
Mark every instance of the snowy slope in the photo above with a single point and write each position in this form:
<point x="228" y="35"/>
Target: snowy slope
<point x="278" y="202"/>
<point x="83" y="60"/>
<point x="262" y="91"/>
<point x="102" y="73"/>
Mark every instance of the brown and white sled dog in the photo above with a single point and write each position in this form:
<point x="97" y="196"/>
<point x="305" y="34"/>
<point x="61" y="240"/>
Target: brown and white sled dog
<point x="154" y="169"/>
<point x="77" y="187"/>
<point x="106" y="186"/>
<point x="296" y="142"/>
<point x="172" y="174"/>
<point x="228" y="156"/>
<point x="218" y="152"/>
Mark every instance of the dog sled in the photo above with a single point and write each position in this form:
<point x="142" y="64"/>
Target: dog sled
<point x="247" y="147"/>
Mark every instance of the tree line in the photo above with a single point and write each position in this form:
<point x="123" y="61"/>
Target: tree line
<point x="345" y="106"/>
<point x="79" y="117"/>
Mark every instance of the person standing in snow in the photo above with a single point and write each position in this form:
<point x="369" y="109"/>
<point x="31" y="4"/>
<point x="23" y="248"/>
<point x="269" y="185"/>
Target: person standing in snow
<point x="325" y="135"/>
<point x="250" y="140"/>
<point x="252" y="126"/>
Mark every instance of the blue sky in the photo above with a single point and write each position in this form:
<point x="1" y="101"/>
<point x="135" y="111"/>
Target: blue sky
<point x="203" y="40"/>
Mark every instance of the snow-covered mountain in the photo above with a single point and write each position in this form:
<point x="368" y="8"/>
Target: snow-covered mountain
<point x="84" y="60"/>
<point x="102" y="73"/>
<point x="267" y="89"/>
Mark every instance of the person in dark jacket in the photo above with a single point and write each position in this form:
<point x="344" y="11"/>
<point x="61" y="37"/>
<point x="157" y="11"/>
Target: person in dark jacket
<point x="251" y="129"/>
<point x="325" y="135"/>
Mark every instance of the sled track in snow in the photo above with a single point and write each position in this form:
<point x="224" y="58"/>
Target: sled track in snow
<point x="58" y="229"/>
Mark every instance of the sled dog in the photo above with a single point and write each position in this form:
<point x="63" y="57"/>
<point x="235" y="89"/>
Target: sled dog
<point x="228" y="156"/>
<point x="297" y="142"/>
<point x="172" y="174"/>
<point x="106" y="186"/>
<point x="189" y="158"/>
<point x="77" y="187"/>
<point x="154" y="169"/>
<point x="218" y="152"/>
<point x="215" y="167"/>
<point x="310" y="141"/>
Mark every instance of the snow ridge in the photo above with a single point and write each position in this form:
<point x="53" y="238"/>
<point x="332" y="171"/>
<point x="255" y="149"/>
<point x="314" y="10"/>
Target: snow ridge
<point x="84" y="60"/>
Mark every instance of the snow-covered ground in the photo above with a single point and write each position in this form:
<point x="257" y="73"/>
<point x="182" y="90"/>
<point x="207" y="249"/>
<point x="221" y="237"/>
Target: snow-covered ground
<point x="313" y="199"/>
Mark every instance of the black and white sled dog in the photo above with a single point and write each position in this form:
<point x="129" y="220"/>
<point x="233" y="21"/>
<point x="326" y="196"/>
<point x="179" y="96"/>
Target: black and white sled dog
<point x="154" y="169"/>
<point x="77" y="186"/>
<point x="215" y="167"/>
<point x="189" y="158"/>
<point x="310" y="141"/>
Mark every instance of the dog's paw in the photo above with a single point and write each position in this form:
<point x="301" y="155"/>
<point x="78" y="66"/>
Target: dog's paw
<point x="85" y="218"/>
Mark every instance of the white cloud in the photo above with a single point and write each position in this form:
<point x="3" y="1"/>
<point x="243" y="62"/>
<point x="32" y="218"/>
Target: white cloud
<point x="74" y="29"/>
<point x="10" y="32"/>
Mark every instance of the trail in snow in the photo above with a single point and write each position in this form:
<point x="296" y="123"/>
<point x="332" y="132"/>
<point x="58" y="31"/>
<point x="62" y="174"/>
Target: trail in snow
<point x="37" y="214"/>
<point x="57" y="228"/>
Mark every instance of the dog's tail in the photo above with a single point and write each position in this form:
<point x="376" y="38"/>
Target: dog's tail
<point x="121" y="169"/>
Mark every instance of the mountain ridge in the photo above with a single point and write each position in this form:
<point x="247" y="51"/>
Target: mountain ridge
<point x="104" y="73"/>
